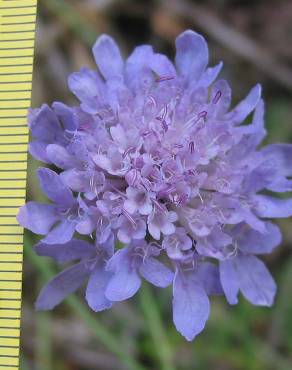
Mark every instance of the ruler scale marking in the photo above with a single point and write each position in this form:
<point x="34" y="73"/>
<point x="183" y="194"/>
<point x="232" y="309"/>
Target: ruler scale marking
<point x="17" y="34"/>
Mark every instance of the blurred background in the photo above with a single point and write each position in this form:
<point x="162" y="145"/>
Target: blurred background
<point x="254" y="39"/>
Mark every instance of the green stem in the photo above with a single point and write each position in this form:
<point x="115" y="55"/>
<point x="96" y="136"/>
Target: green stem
<point x="44" y="341"/>
<point x="98" y="330"/>
<point x="156" y="330"/>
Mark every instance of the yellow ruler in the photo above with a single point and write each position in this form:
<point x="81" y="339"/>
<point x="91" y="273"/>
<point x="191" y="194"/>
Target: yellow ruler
<point x="17" y="32"/>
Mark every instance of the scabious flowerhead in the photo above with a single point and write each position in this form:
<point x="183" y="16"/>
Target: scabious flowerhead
<point x="167" y="181"/>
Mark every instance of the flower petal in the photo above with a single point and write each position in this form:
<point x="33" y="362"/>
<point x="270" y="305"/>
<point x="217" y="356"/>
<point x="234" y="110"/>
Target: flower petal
<point x="273" y="207"/>
<point x="251" y="241"/>
<point x="61" y="233"/>
<point x="137" y="71"/>
<point x="39" y="218"/>
<point x="75" y="179"/>
<point x="208" y="274"/>
<point x="88" y="88"/>
<point x="246" y="106"/>
<point x="156" y="273"/>
<point x="209" y="75"/>
<point x="44" y="124"/>
<point x="255" y="281"/>
<point x="62" y="253"/>
<point x="67" y="116"/>
<point x="229" y="280"/>
<point x="108" y="57"/>
<point x="52" y="185"/>
<point x="281" y="156"/>
<point x="191" y="306"/>
<point x="123" y="285"/>
<point x="191" y="54"/>
<point x="38" y="149"/>
<point x="95" y="291"/>
<point x="65" y="283"/>
<point x="58" y="155"/>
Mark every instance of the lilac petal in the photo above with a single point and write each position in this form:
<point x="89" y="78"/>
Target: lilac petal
<point x="229" y="280"/>
<point x="45" y="124"/>
<point x="88" y="88"/>
<point x="109" y="245"/>
<point x="39" y="218"/>
<point x="108" y="57"/>
<point x="118" y="260"/>
<point x="65" y="283"/>
<point x="251" y="241"/>
<point x="125" y="281"/>
<point x="281" y="156"/>
<point x="61" y="233"/>
<point x="86" y="226"/>
<point x="209" y="75"/>
<point x="191" y="54"/>
<point x="67" y="116"/>
<point x="162" y="66"/>
<point x="58" y="155"/>
<point x="137" y="71"/>
<point x="38" y="149"/>
<point x="154" y="230"/>
<point x="155" y="272"/>
<point x="255" y="281"/>
<point x="62" y="253"/>
<point x="97" y="283"/>
<point x="246" y="106"/>
<point x="267" y="206"/>
<point x="208" y="274"/>
<point x="52" y="185"/>
<point x="123" y="285"/>
<point x="191" y="306"/>
<point x="75" y="179"/>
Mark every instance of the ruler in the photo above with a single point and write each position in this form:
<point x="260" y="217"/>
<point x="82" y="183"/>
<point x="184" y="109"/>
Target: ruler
<point x="17" y="32"/>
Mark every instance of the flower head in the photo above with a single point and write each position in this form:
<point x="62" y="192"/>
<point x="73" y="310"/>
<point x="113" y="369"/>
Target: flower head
<point x="155" y="158"/>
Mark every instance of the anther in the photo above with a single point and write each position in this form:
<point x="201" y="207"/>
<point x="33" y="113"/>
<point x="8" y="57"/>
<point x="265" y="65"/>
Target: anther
<point x="202" y="114"/>
<point x="192" y="147"/>
<point x="217" y="97"/>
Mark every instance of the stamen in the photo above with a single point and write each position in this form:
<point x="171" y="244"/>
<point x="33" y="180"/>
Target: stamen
<point x="152" y="99"/>
<point x="182" y="199"/>
<point x="129" y="217"/>
<point x="158" y="205"/>
<point x="133" y="176"/>
<point x="164" y="114"/>
<point x="170" y="190"/>
<point x="129" y="150"/>
<point x="192" y="147"/>
<point x="217" y="97"/>
<point x="162" y="118"/>
<point x="147" y="184"/>
<point x="200" y="196"/>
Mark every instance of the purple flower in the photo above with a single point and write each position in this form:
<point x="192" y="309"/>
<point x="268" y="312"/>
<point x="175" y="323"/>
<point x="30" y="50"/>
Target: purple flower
<point x="132" y="263"/>
<point x="92" y="263"/>
<point x="58" y="220"/>
<point x="156" y="160"/>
